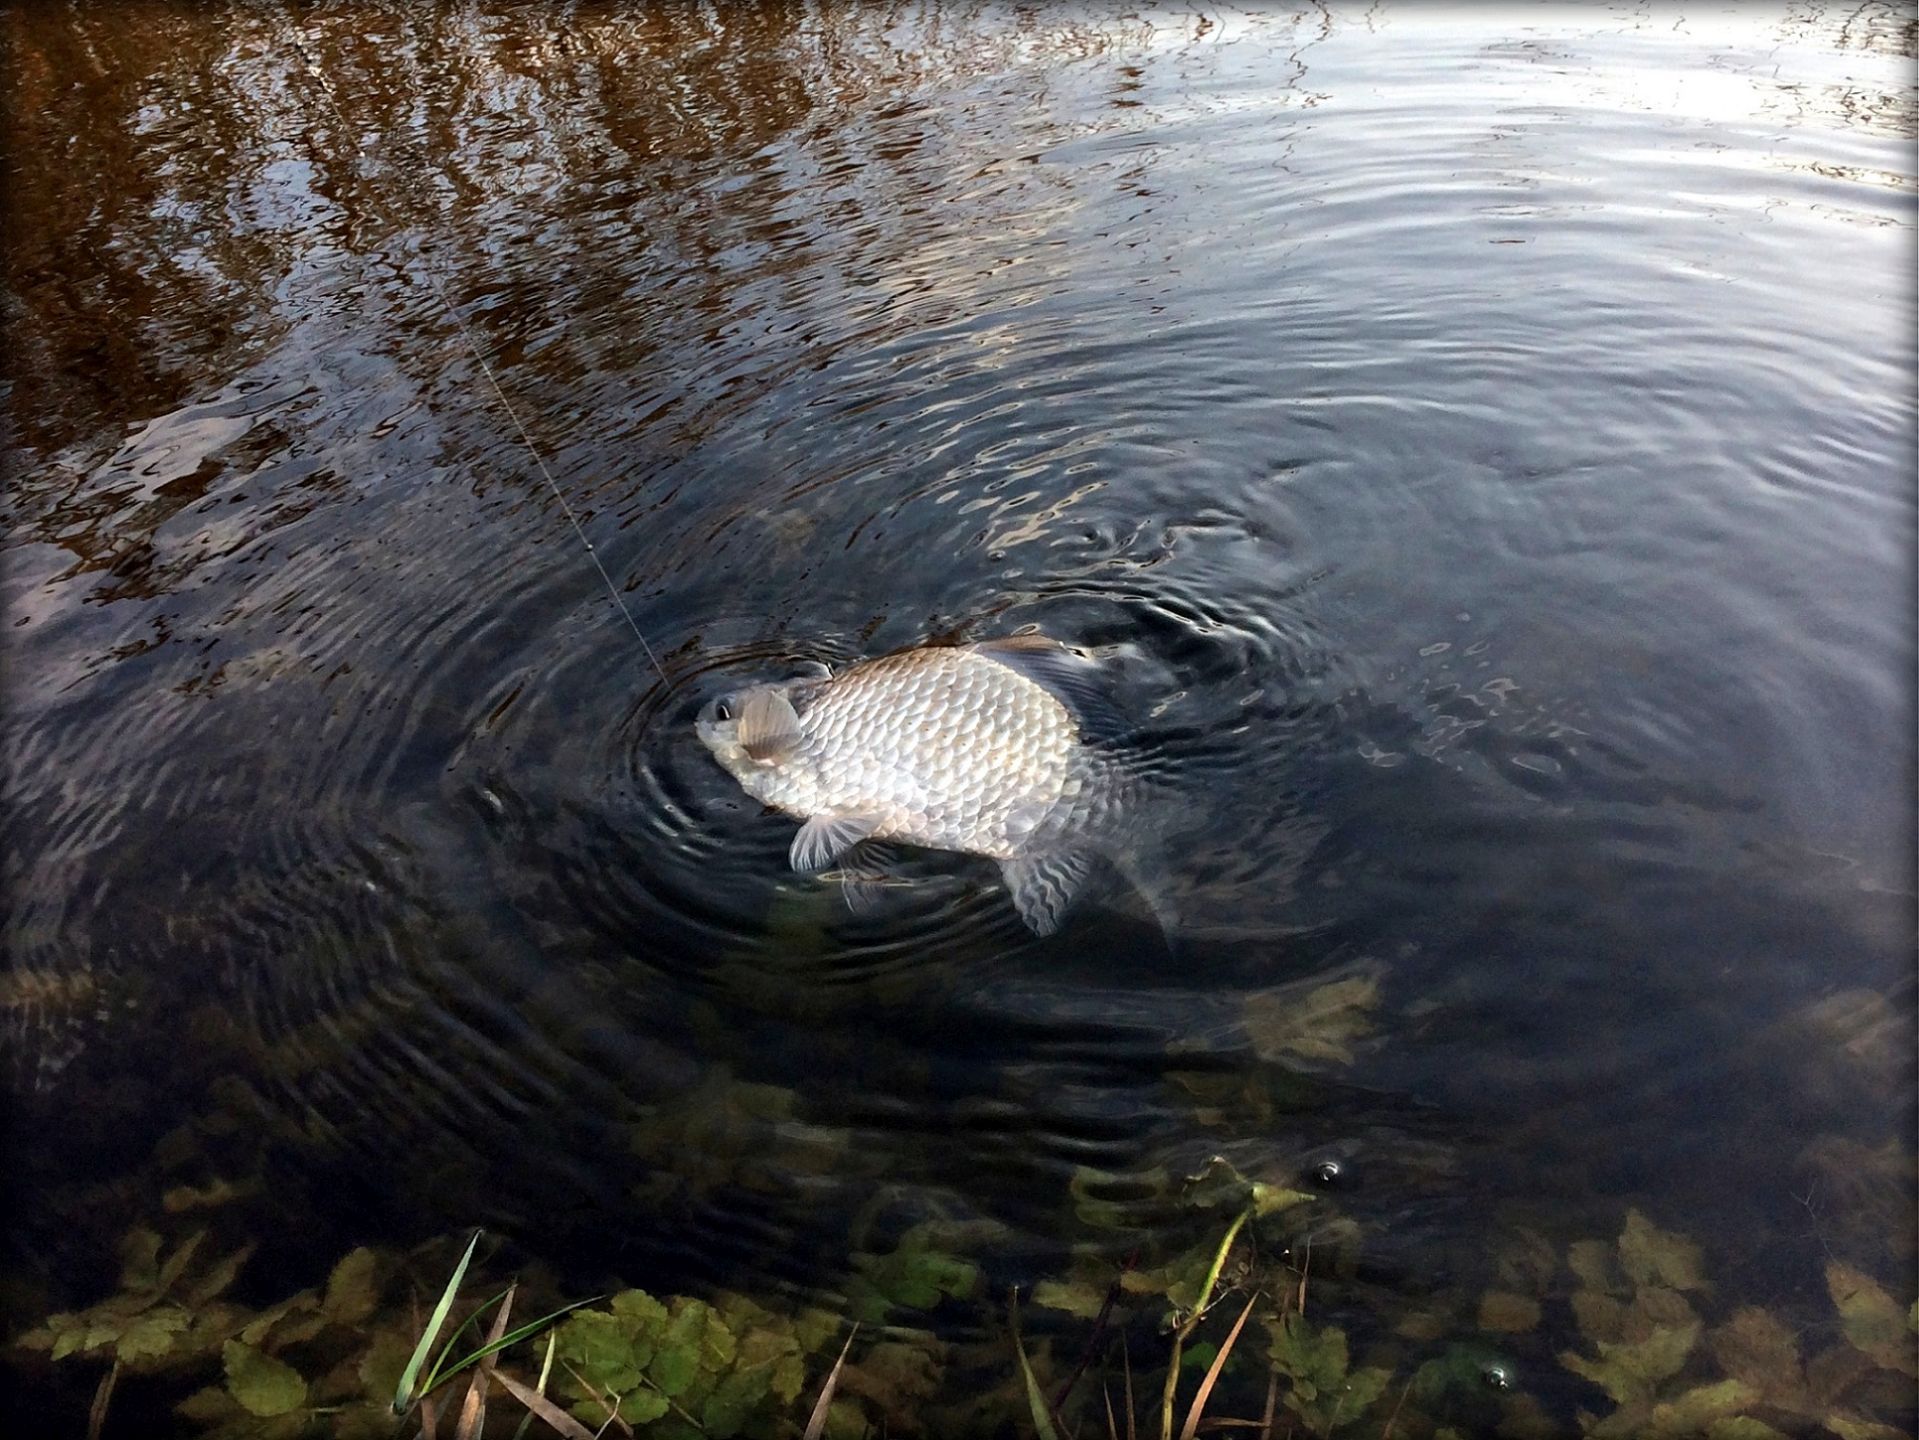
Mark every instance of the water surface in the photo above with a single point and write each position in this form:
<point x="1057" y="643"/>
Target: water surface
<point x="1478" y="442"/>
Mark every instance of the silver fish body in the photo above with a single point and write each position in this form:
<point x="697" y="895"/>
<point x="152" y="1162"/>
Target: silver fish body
<point x="969" y="748"/>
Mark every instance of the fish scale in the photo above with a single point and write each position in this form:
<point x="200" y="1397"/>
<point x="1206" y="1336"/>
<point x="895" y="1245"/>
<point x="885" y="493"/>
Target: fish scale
<point x="947" y="748"/>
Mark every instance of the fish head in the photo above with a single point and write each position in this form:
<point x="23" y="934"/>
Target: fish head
<point x="750" y="731"/>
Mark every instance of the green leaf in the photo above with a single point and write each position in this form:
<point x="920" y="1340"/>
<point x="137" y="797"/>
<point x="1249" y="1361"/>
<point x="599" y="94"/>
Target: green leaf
<point x="1323" y="1393"/>
<point x="1684" y="1417"/>
<point x="1630" y="1372"/>
<point x="789" y="1378"/>
<point x="1364" y="1386"/>
<point x="1312" y="1357"/>
<point x="674" y="1365"/>
<point x="1591" y="1261"/>
<point x="1844" y="1426"/>
<point x="351" y="1291"/>
<point x="642" y="1407"/>
<point x="1658" y="1308"/>
<point x="717" y="1343"/>
<point x="383" y="1364"/>
<point x="152" y="1335"/>
<point x="64" y="1332"/>
<point x="1599" y="1316"/>
<point x="257" y="1329"/>
<point x="607" y="1356"/>
<point x="1180" y="1280"/>
<point x="639" y="1312"/>
<point x="1744" y="1427"/>
<point x="1651" y="1256"/>
<point x="263" y="1385"/>
<point x="1074" y="1296"/>
<point x="1319" y="1027"/>
<point x="1198" y="1357"/>
<point x="734" y="1399"/>
<point x="1873" y="1323"/>
<point x="178" y="1261"/>
<point x="1271" y="1199"/>
<point x="209" y="1406"/>
<point x="215" y="1282"/>
<point x="688" y="1340"/>
<point x="916" y="1274"/>
<point x="140" y="1260"/>
<point x="206" y="1197"/>
<point x="1508" y="1313"/>
<point x="1527" y="1263"/>
<point x="1755" y="1347"/>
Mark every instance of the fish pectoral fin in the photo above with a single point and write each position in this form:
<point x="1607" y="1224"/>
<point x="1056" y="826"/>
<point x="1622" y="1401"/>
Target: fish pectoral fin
<point x="824" y="838"/>
<point x="769" y="726"/>
<point x="1044" y="886"/>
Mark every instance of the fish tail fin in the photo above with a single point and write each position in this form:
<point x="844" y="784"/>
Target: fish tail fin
<point x="1144" y="868"/>
<point x="1127" y="811"/>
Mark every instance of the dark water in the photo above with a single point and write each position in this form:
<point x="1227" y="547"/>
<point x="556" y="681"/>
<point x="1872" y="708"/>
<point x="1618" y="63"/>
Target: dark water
<point x="1480" y="442"/>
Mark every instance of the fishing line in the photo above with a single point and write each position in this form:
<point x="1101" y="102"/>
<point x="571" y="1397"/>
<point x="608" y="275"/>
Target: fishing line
<point x="296" y="37"/>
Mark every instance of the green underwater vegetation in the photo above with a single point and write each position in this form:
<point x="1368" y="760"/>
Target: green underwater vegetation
<point x="1238" y="1298"/>
<point x="1255" y="1326"/>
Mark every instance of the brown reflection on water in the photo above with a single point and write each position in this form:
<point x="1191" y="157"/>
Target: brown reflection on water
<point x="171" y="164"/>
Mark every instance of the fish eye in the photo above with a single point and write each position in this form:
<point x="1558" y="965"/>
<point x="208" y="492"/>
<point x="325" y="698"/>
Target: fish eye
<point x="722" y="711"/>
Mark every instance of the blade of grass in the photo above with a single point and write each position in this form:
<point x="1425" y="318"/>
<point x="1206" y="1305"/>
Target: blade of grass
<point x="538" y="1404"/>
<point x="473" y="1408"/>
<point x="526" y="1331"/>
<point x="546" y="1369"/>
<point x="436" y="1373"/>
<point x="816" y="1422"/>
<point x="430" y="1419"/>
<point x="1043" y="1419"/>
<point x="1272" y="1404"/>
<point x="403" y="1396"/>
<point x="1191" y="1428"/>
<point x="1126" y="1358"/>
<point x="1187" y="1326"/>
<point x="1112" y="1425"/>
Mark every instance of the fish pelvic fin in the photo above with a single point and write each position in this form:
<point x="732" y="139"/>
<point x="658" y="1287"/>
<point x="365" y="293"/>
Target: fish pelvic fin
<point x="824" y="838"/>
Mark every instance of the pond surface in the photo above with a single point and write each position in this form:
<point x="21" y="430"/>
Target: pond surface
<point x="1478" y="444"/>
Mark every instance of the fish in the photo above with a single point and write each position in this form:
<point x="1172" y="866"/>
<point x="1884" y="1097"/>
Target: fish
<point x="1002" y="749"/>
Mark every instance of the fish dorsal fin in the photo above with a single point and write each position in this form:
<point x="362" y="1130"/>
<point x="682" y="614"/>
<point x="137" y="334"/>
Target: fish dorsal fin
<point x="769" y="725"/>
<point x="1044" y="886"/>
<point x="1070" y="675"/>
<point x="824" y="838"/>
